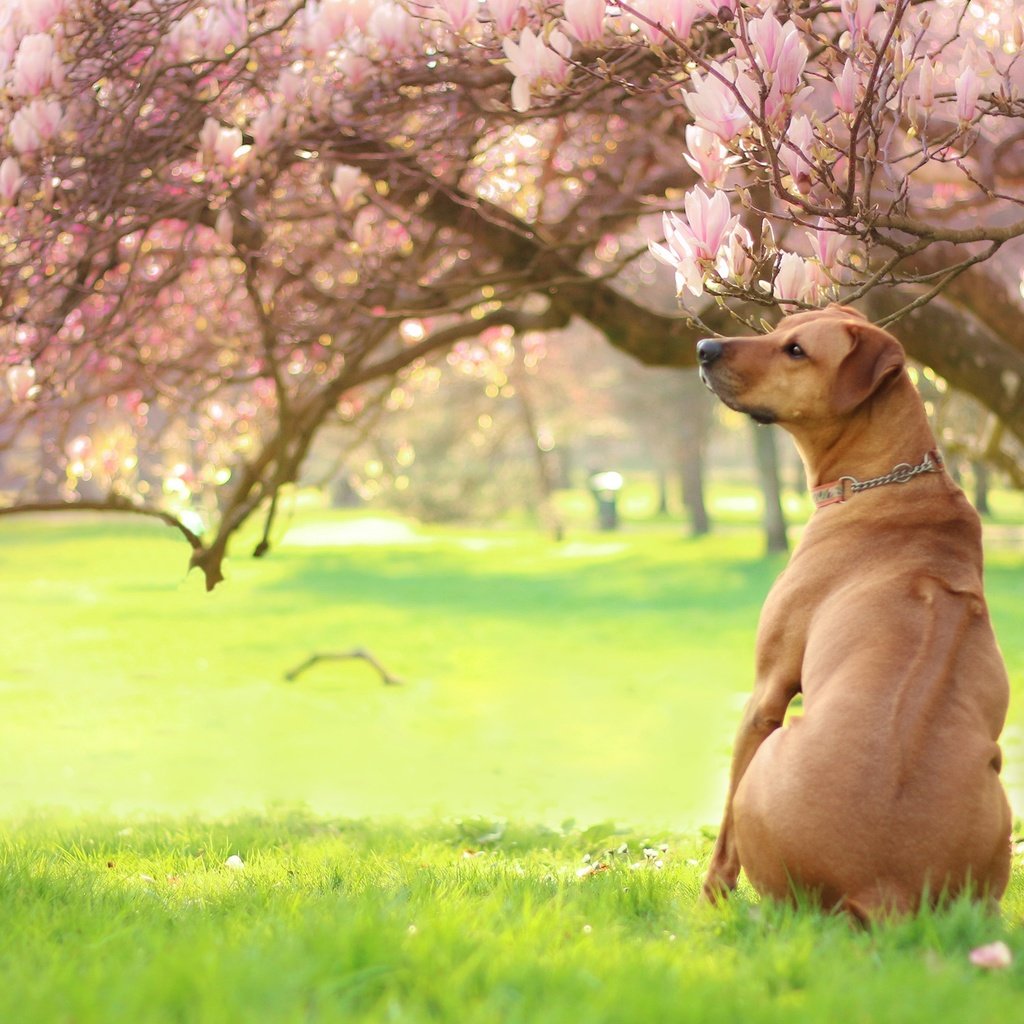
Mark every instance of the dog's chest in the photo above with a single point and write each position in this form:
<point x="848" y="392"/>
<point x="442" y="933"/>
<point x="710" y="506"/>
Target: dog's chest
<point x="783" y="626"/>
<point x="819" y="573"/>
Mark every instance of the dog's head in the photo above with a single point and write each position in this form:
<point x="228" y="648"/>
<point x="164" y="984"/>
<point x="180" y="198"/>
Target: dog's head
<point x="814" y="366"/>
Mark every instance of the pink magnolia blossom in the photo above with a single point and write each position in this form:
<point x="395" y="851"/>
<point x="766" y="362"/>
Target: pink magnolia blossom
<point x="706" y="155"/>
<point x="8" y="46"/>
<point x="779" y="50"/>
<point x="181" y="42"/>
<point x="676" y="16"/>
<point x="994" y="956"/>
<point x="826" y="245"/>
<point x="36" y="66"/>
<point x="968" y="89"/>
<point x="713" y="7"/>
<point x="708" y="221"/>
<point x="839" y="172"/>
<point x="221" y="146"/>
<point x="858" y="15"/>
<point x="266" y="127"/>
<point x="792" y="61"/>
<point x="678" y="255"/>
<point x="926" y="84"/>
<point x="506" y="14"/>
<point x="365" y="225"/>
<point x="734" y="262"/>
<point x="459" y="13"/>
<point x="680" y="15"/>
<point x="39" y="15"/>
<point x="346" y="185"/>
<point x="766" y="36"/>
<point x="651" y="32"/>
<point x="396" y="31"/>
<point x="224" y="226"/>
<point x="776" y="104"/>
<point x="354" y="68"/>
<point x="326" y="22"/>
<point x="792" y="281"/>
<point x="534" y="62"/>
<point x="585" y="19"/>
<point x="11" y="180"/>
<point x="715" y="105"/>
<point x="795" y="151"/>
<point x="819" y="282"/>
<point x="290" y="84"/>
<point x="225" y="27"/>
<point x="359" y="13"/>
<point x="35" y="124"/>
<point x="845" y="95"/>
<point x="21" y="382"/>
<point x="693" y="242"/>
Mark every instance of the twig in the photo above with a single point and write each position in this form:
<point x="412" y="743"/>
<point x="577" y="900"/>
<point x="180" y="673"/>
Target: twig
<point x="357" y="652"/>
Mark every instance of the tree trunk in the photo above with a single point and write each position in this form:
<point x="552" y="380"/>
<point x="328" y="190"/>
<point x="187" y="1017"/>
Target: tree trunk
<point x="662" y="492"/>
<point x="698" y="414"/>
<point x="692" y="472"/>
<point x="767" y="458"/>
<point x="545" y="474"/>
<point x="981" y="480"/>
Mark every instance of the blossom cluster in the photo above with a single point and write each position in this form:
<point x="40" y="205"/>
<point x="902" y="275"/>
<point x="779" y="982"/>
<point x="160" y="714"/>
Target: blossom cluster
<point x="834" y="115"/>
<point x="32" y="73"/>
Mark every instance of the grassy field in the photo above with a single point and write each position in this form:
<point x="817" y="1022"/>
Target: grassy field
<point x="466" y="847"/>
<point x="461" y="923"/>
<point x="597" y="680"/>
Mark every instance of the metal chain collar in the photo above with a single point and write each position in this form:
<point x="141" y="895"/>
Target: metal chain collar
<point x="841" y="489"/>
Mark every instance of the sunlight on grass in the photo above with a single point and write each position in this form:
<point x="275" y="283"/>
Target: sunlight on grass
<point x="596" y="686"/>
<point x="459" y="921"/>
<point x="596" y="680"/>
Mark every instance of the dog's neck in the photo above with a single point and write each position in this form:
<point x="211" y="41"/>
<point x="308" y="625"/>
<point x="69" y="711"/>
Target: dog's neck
<point x="892" y="428"/>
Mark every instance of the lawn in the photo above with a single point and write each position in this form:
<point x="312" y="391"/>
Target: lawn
<point x="597" y="680"/>
<point x="468" y="846"/>
<point x="289" y="918"/>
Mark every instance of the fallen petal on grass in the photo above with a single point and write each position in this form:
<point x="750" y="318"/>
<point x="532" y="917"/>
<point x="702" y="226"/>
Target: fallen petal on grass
<point x="994" y="956"/>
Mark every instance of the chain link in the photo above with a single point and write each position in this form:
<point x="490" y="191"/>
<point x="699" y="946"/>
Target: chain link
<point x="846" y="486"/>
<point x="901" y="474"/>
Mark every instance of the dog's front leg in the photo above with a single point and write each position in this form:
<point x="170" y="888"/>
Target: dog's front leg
<point x="764" y="713"/>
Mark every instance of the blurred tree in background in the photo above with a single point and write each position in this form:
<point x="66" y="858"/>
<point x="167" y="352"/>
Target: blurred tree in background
<point x="229" y="224"/>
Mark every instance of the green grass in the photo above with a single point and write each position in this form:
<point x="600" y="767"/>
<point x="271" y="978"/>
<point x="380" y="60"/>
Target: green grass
<point x="460" y="922"/>
<point x="597" y="680"/>
<point x="589" y="690"/>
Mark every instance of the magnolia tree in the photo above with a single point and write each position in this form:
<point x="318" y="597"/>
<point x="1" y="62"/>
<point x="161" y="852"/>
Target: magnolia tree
<point x="227" y="224"/>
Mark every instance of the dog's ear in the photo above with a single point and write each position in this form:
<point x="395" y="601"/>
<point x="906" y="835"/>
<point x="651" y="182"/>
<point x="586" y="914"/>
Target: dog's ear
<point x="847" y="311"/>
<point x="874" y="357"/>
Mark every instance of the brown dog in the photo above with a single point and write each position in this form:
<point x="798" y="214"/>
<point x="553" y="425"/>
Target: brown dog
<point x="886" y="792"/>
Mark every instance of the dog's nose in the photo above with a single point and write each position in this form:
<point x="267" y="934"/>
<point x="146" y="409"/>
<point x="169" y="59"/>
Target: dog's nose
<point x="708" y="350"/>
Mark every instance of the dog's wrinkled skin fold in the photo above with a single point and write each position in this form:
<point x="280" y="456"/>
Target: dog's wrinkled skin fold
<point x="885" y="793"/>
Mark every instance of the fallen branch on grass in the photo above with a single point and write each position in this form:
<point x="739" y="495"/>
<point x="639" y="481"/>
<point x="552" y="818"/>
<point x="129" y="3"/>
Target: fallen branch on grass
<point x="357" y="652"/>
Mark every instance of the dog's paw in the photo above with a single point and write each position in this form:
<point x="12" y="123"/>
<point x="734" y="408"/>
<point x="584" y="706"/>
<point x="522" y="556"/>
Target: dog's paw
<point x="718" y="884"/>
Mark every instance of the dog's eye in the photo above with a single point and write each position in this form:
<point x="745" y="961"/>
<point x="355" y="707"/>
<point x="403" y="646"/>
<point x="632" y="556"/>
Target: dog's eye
<point x="794" y="351"/>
